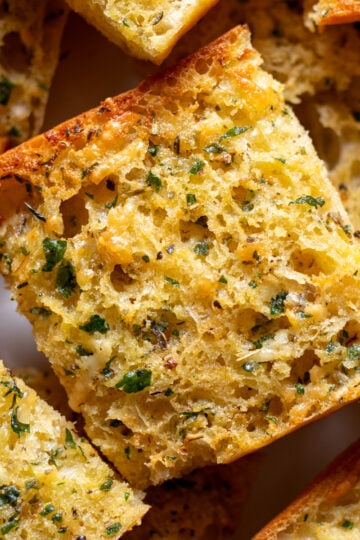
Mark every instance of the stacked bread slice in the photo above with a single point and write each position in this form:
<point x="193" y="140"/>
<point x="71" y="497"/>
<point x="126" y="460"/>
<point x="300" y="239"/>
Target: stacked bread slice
<point x="187" y="266"/>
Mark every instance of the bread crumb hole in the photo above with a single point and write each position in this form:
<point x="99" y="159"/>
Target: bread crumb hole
<point x="306" y="262"/>
<point x="202" y="66"/>
<point x="74" y="215"/>
<point x="119" y="278"/>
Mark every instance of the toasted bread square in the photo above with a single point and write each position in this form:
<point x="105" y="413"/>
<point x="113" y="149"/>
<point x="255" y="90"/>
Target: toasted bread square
<point x="147" y="29"/>
<point x="187" y="266"/>
<point x="52" y="482"/>
<point x="30" y="34"/>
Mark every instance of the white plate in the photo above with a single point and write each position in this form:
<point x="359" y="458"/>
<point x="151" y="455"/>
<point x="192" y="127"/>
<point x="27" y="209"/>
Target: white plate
<point x="90" y="70"/>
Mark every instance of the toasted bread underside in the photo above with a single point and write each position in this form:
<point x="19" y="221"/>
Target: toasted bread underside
<point x="30" y="34"/>
<point x="147" y="29"/>
<point x="320" y="73"/>
<point x="207" y="504"/>
<point x="186" y="265"/>
<point x="328" y="12"/>
<point x="328" y="509"/>
<point x="51" y="481"/>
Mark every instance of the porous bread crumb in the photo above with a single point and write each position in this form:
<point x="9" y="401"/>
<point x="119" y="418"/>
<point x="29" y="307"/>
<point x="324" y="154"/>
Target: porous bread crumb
<point x="52" y="482"/>
<point x="186" y="265"/>
<point x="30" y="34"/>
<point x="328" y="509"/>
<point x="147" y="29"/>
<point x="320" y="73"/>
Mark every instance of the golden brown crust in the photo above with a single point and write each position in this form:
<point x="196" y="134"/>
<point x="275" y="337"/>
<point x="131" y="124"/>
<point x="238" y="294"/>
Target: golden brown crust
<point x="329" y="12"/>
<point x="334" y="482"/>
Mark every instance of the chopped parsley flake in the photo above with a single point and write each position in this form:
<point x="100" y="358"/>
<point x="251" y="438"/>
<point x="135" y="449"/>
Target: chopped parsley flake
<point x="234" y="132"/>
<point x="171" y="281"/>
<point x="135" y="381"/>
<point x="82" y="351"/>
<point x="9" y="495"/>
<point x="54" y="251"/>
<point x="201" y="248"/>
<point x="300" y="389"/>
<point x="277" y="304"/>
<point x="310" y="200"/>
<point x="214" y="148"/>
<point x="259" y="342"/>
<point x="197" y="167"/>
<point x="6" y="87"/>
<point x="222" y="279"/>
<point x="66" y="279"/>
<point x="190" y="199"/>
<point x="95" y="324"/>
<point x="69" y="440"/>
<point x="107" y="485"/>
<point x="88" y="170"/>
<point x="153" y="181"/>
<point x="153" y="149"/>
<point x="353" y="352"/>
<point x="347" y="524"/>
<point x="17" y="426"/>
<point x="113" y="529"/>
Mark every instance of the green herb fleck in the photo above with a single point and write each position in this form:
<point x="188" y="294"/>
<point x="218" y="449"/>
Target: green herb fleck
<point x="112" y="204"/>
<point x="234" y="132"/>
<point x="125" y="23"/>
<point x="347" y="524"/>
<point x="353" y="352"/>
<point x="127" y="451"/>
<point x="95" y="324"/>
<point x="113" y="529"/>
<point x="252" y="284"/>
<point x="88" y="170"/>
<point x="171" y="281"/>
<point x="82" y="351"/>
<point x="153" y="181"/>
<point x="10" y="525"/>
<point x="281" y="159"/>
<point x="9" y="495"/>
<point x="202" y="248"/>
<point x="14" y="132"/>
<point x="54" y="251"/>
<point x="259" y="342"/>
<point x="6" y="87"/>
<point x="303" y="315"/>
<point x="310" y="200"/>
<point x="107" y="485"/>
<point x="190" y="199"/>
<point x="17" y="426"/>
<point x="330" y="347"/>
<point x="222" y="279"/>
<point x="256" y="256"/>
<point x="271" y="419"/>
<point x="48" y="509"/>
<point x="126" y="496"/>
<point x="135" y="381"/>
<point x="66" y="279"/>
<point x="197" y="167"/>
<point x="277" y="304"/>
<point x="43" y="312"/>
<point x="214" y="148"/>
<point x="153" y="149"/>
<point x="146" y="258"/>
<point x="300" y="389"/>
<point x="107" y="371"/>
<point x="168" y="392"/>
<point x="247" y="206"/>
<point x="57" y="517"/>
<point x="69" y="440"/>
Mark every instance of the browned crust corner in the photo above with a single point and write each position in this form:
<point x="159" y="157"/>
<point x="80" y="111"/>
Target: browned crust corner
<point x="333" y="482"/>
